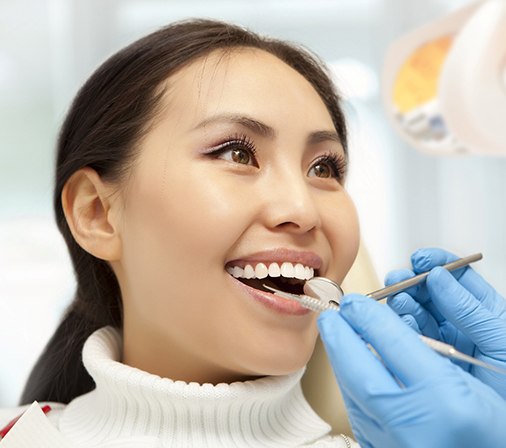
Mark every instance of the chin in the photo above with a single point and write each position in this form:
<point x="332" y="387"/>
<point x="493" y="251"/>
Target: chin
<point x="285" y="363"/>
<point x="284" y="368"/>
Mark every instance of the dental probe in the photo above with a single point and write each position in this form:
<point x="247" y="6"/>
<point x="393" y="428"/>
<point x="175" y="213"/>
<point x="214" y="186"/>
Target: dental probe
<point x="405" y="284"/>
<point x="329" y="291"/>
<point x="442" y="348"/>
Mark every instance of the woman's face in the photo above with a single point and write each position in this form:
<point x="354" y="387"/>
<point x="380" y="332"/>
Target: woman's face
<point x="242" y="172"/>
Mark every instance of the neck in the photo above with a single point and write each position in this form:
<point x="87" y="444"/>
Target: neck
<point x="128" y="402"/>
<point x="188" y="368"/>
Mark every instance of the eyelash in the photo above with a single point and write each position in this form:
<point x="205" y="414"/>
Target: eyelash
<point x="236" y="141"/>
<point x="337" y="162"/>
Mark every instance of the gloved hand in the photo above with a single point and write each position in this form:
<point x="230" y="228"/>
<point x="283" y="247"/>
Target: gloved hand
<point x="413" y="397"/>
<point x="459" y="308"/>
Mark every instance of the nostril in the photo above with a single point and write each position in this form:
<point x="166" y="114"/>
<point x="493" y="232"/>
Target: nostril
<point x="297" y="226"/>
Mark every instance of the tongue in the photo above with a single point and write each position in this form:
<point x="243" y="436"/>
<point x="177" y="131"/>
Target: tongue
<point x="276" y="282"/>
<point x="258" y="284"/>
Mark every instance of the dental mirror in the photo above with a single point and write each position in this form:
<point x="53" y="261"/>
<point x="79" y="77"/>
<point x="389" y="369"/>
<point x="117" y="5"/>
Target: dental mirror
<point x="324" y="289"/>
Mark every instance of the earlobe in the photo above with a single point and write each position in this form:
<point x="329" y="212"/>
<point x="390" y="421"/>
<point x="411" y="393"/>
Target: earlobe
<point x="89" y="206"/>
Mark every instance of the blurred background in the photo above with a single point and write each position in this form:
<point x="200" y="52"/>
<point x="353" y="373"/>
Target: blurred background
<point x="406" y="199"/>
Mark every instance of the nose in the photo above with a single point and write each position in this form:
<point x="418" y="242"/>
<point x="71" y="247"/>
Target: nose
<point x="289" y="203"/>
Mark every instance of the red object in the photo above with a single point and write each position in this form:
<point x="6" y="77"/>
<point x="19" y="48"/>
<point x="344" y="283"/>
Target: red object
<point x="6" y="429"/>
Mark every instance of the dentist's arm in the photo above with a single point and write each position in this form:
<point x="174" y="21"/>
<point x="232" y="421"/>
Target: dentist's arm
<point x="412" y="397"/>
<point x="460" y="308"/>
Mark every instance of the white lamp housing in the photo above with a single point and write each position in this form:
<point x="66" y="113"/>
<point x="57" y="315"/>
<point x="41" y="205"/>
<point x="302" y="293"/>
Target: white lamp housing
<point x="444" y="84"/>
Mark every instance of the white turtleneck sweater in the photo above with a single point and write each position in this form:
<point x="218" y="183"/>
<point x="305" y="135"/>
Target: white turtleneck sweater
<point x="130" y="408"/>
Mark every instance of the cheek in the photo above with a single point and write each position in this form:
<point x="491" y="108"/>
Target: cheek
<point x="343" y="232"/>
<point x="182" y="224"/>
<point x="175" y="244"/>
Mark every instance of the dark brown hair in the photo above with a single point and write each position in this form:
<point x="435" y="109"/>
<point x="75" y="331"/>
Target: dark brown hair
<point x="107" y="119"/>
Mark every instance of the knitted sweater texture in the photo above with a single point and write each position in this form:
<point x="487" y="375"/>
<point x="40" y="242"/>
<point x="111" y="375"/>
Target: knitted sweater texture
<point x="130" y="407"/>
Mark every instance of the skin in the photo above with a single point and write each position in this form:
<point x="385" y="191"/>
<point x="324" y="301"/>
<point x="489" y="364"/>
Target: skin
<point x="183" y="214"/>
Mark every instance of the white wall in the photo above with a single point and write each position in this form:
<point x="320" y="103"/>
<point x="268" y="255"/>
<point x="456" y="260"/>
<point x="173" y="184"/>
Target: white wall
<point x="405" y="199"/>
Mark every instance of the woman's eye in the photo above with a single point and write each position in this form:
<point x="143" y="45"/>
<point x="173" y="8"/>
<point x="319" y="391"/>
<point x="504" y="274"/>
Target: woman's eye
<point x="330" y="166"/>
<point x="321" y="169"/>
<point x="237" y="155"/>
<point x="241" y="151"/>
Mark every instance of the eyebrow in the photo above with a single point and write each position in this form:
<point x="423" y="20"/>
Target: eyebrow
<point x="265" y="130"/>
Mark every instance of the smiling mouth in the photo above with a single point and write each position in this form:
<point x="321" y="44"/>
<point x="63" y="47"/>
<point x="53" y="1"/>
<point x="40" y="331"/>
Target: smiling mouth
<point x="286" y="277"/>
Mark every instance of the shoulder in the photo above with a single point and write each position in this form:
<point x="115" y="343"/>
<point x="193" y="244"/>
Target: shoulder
<point x="33" y="425"/>
<point x="338" y="441"/>
<point x="7" y="415"/>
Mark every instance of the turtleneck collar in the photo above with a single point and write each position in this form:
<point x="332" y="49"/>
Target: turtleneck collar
<point x="127" y="403"/>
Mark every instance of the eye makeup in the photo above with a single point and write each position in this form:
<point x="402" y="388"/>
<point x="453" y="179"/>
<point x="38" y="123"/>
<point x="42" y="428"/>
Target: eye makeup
<point x="329" y="165"/>
<point x="337" y="164"/>
<point x="236" y="140"/>
<point x="240" y="145"/>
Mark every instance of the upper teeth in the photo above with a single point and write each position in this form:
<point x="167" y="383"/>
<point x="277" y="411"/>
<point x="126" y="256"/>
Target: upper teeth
<point x="262" y="270"/>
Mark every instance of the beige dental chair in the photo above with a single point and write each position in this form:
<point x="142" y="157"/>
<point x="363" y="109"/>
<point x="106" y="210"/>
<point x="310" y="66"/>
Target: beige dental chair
<point x="319" y="383"/>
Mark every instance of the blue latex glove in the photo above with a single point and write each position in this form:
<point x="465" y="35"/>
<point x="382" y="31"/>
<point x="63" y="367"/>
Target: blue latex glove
<point x="459" y="308"/>
<point x="414" y="398"/>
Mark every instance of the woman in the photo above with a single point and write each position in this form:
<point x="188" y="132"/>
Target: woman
<point x="195" y="165"/>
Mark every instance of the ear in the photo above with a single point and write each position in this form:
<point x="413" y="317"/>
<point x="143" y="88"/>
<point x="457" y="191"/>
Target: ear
<point x="91" y="210"/>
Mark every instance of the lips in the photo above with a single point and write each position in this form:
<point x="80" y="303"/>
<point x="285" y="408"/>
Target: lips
<point x="271" y="301"/>
<point x="284" y="269"/>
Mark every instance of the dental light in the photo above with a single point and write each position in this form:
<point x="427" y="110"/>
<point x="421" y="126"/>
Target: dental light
<point x="444" y="84"/>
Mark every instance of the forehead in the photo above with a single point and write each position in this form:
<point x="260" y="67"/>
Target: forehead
<point x="245" y="80"/>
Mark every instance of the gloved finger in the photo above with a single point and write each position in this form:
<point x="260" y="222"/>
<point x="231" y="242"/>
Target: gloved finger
<point x="483" y="291"/>
<point x="399" y="347"/>
<point x="403" y="303"/>
<point x="468" y="314"/>
<point x="400" y="275"/>
<point x="360" y="420"/>
<point x="418" y="292"/>
<point x="356" y="368"/>
<point x="410" y="321"/>
<point x="426" y="259"/>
